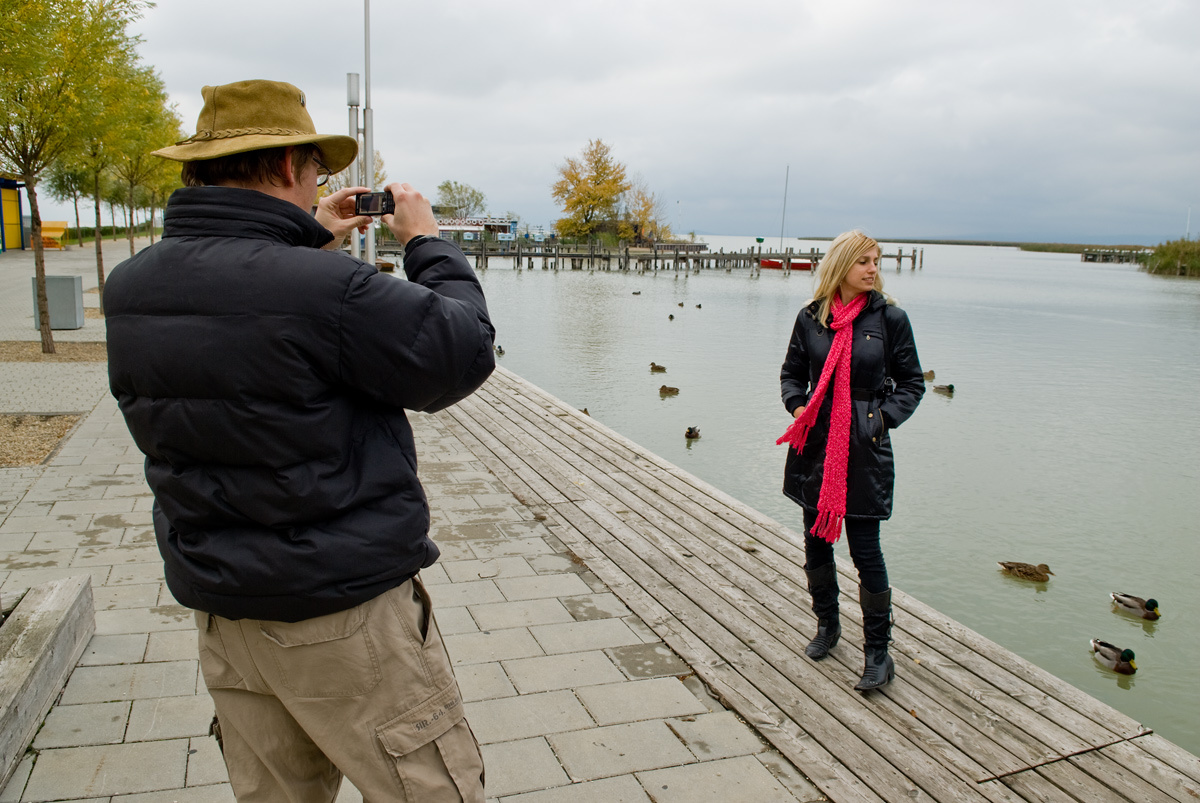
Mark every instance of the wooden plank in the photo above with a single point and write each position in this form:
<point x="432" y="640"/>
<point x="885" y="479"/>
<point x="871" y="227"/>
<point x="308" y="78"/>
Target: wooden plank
<point x="1077" y="783"/>
<point x="40" y="643"/>
<point x="1170" y="754"/>
<point x="1132" y="757"/>
<point x="1038" y="789"/>
<point x="1109" y="772"/>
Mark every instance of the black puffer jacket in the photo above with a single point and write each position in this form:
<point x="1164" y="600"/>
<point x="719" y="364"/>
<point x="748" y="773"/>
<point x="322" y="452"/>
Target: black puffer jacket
<point x="266" y="382"/>
<point x="883" y="348"/>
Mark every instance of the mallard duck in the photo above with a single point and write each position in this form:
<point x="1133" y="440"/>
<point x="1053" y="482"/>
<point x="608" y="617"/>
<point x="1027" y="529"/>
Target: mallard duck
<point x="680" y="303"/>
<point x="500" y="350"/>
<point x="668" y="391"/>
<point x="655" y="368"/>
<point x="1027" y="571"/>
<point x="692" y="433"/>
<point x="945" y="390"/>
<point x="927" y="374"/>
<point x="1115" y="658"/>
<point x="671" y="317"/>
<point x="1145" y="608"/>
<point x="697" y="306"/>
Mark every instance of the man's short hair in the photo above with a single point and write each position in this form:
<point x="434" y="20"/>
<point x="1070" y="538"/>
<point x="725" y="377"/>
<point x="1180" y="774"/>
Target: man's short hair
<point x="251" y="167"/>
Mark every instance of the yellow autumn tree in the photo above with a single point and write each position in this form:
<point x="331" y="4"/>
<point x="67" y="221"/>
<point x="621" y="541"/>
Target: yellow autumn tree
<point x="590" y="188"/>
<point x="644" y="220"/>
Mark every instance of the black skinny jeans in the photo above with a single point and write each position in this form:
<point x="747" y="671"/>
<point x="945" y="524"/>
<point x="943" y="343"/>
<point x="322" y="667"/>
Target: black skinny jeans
<point x="863" y="537"/>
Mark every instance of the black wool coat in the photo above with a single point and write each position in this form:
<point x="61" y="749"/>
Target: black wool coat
<point x="266" y="382"/>
<point x="883" y="349"/>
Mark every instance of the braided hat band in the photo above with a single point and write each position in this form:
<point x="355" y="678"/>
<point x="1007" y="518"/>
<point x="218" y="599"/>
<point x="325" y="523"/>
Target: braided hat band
<point x="253" y="115"/>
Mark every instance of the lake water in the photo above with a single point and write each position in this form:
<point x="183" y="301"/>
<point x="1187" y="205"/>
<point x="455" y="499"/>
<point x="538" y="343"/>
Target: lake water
<point x="1071" y="439"/>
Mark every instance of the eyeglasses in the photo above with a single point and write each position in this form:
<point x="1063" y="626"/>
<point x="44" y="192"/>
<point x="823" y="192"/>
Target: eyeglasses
<point x="323" y="172"/>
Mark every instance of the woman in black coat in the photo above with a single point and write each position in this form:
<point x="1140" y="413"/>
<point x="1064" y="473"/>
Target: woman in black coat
<point x="850" y="377"/>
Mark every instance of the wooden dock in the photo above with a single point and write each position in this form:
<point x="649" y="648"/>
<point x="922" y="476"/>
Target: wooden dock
<point x="682" y="257"/>
<point x="722" y="584"/>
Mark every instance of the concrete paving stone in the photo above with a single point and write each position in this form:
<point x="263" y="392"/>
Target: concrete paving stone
<point x="11" y="793"/>
<point x="165" y="597"/>
<point x="463" y="571"/>
<point x="653" y="660"/>
<point x="169" y="718"/>
<point x="491" y="645"/>
<point x="732" y="780"/>
<point x="717" y="735"/>
<point x="116" y="555"/>
<point x="88" y="724"/>
<point x="469" y="531"/>
<point x="18" y="542"/>
<point x="144" y="620"/>
<point x="122" y="521"/>
<point x="172" y="645"/>
<point x="501" y="498"/>
<point x="41" y="523"/>
<point x="636" y="700"/>
<point x="619" y="750"/>
<point x="541" y="586"/>
<point x="138" y="536"/>
<point x="530" y="715"/>
<point x="483" y="514"/>
<point x="527" y="547"/>
<point x="453" y="621"/>
<point x="101" y="684"/>
<point x="455" y="550"/>
<point x="586" y="607"/>
<point x="17" y="582"/>
<point x="451" y="501"/>
<point x="639" y="626"/>
<point x="92" y="507"/>
<point x="569" y="671"/>
<point x="135" y="573"/>
<point x="206" y="766"/>
<point x="555" y="564"/>
<point x="129" y="648"/>
<point x="620" y="789"/>
<point x="435" y="574"/>
<point x="455" y="595"/>
<point x="76" y="539"/>
<point x="73" y="772"/>
<point x="37" y="559"/>
<point x="113" y="597"/>
<point x="579" y="636"/>
<point x="218" y="793"/>
<point x="521" y="766"/>
<point x="501" y="615"/>
<point x="483" y="682"/>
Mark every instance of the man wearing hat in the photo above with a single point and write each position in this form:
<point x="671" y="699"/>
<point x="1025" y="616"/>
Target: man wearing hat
<point x="266" y="381"/>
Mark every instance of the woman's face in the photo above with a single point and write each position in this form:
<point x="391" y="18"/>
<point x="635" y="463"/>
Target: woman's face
<point x="861" y="277"/>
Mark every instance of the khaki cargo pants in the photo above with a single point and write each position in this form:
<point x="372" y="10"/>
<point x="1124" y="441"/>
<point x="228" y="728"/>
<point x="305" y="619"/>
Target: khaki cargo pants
<point x="367" y="692"/>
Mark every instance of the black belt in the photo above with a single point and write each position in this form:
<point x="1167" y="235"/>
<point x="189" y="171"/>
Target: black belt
<point x="862" y="394"/>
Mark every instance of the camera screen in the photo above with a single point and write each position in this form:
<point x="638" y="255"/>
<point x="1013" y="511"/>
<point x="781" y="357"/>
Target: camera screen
<point x="370" y="203"/>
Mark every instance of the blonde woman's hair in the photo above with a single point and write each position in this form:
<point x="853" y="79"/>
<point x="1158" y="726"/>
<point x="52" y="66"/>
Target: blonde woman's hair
<point x="843" y="253"/>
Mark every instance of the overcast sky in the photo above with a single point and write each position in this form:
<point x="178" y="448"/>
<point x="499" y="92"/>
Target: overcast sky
<point x="1056" y="120"/>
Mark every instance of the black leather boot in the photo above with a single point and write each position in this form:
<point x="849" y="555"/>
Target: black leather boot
<point x="879" y="668"/>
<point x="822" y="585"/>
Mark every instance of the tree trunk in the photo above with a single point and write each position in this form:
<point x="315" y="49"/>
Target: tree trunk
<point x="99" y="250"/>
<point x="78" y="228"/>
<point x="129" y="226"/>
<point x="39" y="264"/>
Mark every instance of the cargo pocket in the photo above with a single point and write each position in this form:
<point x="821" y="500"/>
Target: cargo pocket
<point x="435" y="751"/>
<point x="327" y="656"/>
<point x="218" y="671"/>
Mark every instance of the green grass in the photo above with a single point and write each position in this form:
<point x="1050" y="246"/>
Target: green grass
<point x="1175" y="258"/>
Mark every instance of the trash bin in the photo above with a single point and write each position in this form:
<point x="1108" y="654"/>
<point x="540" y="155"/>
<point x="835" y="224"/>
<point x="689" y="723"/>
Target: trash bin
<point x="64" y="296"/>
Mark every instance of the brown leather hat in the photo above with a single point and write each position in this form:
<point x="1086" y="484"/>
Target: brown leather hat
<point x="252" y="115"/>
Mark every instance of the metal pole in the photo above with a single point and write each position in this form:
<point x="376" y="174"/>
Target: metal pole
<point x="783" y="223"/>
<point x="352" y="102"/>
<point x="368" y="128"/>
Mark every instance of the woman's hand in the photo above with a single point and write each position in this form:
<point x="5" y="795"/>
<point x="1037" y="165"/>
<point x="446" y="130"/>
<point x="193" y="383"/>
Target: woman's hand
<point x="799" y="411"/>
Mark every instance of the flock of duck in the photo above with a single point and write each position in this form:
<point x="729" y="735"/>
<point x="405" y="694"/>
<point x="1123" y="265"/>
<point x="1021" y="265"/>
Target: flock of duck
<point x="1115" y="658"/>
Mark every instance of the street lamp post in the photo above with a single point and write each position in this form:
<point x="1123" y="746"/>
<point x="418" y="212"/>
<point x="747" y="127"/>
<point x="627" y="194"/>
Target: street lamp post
<point x="368" y="127"/>
<point x="352" y="102"/>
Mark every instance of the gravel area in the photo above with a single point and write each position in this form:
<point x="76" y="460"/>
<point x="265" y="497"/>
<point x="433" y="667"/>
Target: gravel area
<point x="27" y="440"/>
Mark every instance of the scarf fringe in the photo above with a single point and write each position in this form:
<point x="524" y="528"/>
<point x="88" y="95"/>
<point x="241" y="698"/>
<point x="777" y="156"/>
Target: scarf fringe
<point x="828" y="525"/>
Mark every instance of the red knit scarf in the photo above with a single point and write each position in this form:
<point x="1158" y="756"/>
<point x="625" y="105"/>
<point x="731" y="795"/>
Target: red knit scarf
<point x="831" y="507"/>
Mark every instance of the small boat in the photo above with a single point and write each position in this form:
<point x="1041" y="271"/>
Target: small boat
<point x="793" y="264"/>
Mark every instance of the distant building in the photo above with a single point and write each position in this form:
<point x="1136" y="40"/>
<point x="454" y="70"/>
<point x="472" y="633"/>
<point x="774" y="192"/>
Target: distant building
<point x="472" y="226"/>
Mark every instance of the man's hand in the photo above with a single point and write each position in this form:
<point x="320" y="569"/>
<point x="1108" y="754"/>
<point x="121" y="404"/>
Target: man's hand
<point x="336" y="213"/>
<point x="413" y="214"/>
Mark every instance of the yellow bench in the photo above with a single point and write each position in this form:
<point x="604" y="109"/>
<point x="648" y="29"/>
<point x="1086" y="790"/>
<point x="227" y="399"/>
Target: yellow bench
<point x="53" y="232"/>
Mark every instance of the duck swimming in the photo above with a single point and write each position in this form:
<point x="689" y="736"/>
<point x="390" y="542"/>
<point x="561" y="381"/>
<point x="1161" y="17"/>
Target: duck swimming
<point x="1026" y="571"/>
<point x="1115" y="658"/>
<point x="945" y="390"/>
<point x="655" y="368"/>
<point x="668" y="391"/>
<point x="692" y="433"/>
<point x="500" y="350"/>
<point x="927" y="374"/>
<point x="1145" y="608"/>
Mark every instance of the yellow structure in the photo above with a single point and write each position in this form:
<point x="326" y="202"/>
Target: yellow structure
<point x="53" y="232"/>
<point x="10" y="214"/>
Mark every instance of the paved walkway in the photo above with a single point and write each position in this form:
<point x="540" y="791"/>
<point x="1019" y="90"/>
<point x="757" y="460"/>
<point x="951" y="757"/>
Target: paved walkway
<point x="573" y="698"/>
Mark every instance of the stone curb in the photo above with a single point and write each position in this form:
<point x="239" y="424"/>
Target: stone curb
<point x="40" y="643"/>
